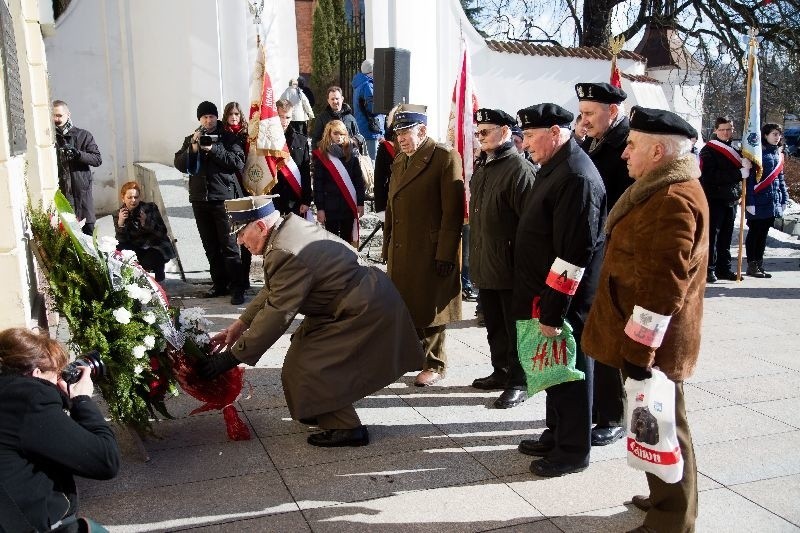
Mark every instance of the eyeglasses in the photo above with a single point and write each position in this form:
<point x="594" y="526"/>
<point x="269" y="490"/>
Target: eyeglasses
<point x="485" y="132"/>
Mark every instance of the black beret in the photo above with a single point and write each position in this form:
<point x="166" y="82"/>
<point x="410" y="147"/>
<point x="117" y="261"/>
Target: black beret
<point x="544" y="116"/>
<point x="494" y="116"/>
<point x="660" y="122"/>
<point x="600" y="92"/>
<point x="206" y="108"/>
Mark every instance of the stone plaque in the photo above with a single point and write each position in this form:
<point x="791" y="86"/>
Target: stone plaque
<point x="14" y="102"/>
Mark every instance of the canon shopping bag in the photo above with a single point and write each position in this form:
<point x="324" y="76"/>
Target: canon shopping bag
<point x="652" y="436"/>
<point x="547" y="361"/>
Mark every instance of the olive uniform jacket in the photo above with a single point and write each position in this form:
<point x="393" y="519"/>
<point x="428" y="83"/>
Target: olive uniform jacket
<point x="424" y="216"/>
<point x="357" y="336"/>
<point x="655" y="261"/>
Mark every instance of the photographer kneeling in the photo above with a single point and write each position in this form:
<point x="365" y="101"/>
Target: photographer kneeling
<point x="139" y="227"/>
<point x="49" y="432"/>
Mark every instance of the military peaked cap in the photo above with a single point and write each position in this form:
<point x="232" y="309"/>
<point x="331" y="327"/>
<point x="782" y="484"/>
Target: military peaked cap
<point x="544" y="116"/>
<point x="659" y="121"/>
<point x="600" y="92"/>
<point x="408" y="115"/>
<point x="242" y="211"/>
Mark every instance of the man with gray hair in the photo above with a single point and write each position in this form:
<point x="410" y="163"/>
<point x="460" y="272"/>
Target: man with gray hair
<point x="557" y="256"/>
<point x="649" y="304"/>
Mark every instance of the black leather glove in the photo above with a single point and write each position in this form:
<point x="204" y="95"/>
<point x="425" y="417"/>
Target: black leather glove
<point x="443" y="268"/>
<point x="72" y="154"/>
<point x="215" y="365"/>
<point x="637" y="372"/>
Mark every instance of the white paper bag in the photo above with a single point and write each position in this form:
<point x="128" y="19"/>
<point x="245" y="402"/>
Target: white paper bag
<point x="650" y="420"/>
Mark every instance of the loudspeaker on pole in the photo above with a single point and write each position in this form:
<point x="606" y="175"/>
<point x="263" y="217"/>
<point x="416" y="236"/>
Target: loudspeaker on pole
<point x="392" y="75"/>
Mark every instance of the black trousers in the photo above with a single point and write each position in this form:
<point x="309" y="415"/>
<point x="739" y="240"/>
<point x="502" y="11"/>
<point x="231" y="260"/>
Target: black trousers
<point x="720" y="231"/>
<point x="220" y="246"/>
<point x="341" y="228"/>
<point x="756" y="240"/>
<point x="608" y="396"/>
<point x="151" y="260"/>
<point x="501" y="332"/>
<point x="568" y="414"/>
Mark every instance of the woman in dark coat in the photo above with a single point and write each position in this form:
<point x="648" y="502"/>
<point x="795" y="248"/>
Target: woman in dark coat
<point x="49" y="432"/>
<point x="235" y="123"/>
<point x="338" y="183"/>
<point x="764" y="200"/>
<point x="139" y="227"/>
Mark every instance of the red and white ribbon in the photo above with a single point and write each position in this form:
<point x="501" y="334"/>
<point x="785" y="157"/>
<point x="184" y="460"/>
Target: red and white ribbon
<point x="647" y="327"/>
<point x="763" y="184"/>
<point x="727" y="151"/>
<point x="564" y="277"/>
<point x="345" y="184"/>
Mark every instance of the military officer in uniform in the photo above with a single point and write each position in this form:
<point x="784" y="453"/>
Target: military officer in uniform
<point x="499" y="191"/>
<point x="422" y="234"/>
<point x="356" y="337"/>
<point x="560" y="234"/>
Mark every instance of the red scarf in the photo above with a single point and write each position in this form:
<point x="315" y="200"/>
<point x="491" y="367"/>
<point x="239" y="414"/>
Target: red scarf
<point x="235" y="128"/>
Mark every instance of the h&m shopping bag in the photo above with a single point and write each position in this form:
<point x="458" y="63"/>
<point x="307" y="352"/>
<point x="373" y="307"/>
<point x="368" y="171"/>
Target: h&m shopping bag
<point x="652" y="436"/>
<point x="547" y="361"/>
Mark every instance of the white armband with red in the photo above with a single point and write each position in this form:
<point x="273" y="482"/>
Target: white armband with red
<point x="647" y="327"/>
<point x="564" y="277"/>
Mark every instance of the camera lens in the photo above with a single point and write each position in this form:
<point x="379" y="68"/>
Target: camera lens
<point x="72" y="372"/>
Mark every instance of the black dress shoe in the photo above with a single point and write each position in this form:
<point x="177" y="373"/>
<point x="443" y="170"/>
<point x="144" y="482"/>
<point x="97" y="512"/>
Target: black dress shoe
<point x="216" y="292"/>
<point x="730" y="276"/>
<point x="605" y="436"/>
<point x="642" y="502"/>
<point x="536" y="448"/>
<point x="493" y="381"/>
<point x="469" y="295"/>
<point x="549" y="468"/>
<point x="510" y="398"/>
<point x="711" y="278"/>
<point x="237" y="298"/>
<point x="310" y="421"/>
<point x="333" y="438"/>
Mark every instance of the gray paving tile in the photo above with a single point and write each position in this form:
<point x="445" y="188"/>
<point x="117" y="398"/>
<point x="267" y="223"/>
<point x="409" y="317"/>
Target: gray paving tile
<point x="728" y="360"/>
<point x="294" y="522"/>
<point x="183" y="465"/>
<point x="474" y="507"/>
<point x="619" y="518"/>
<point x="697" y="399"/>
<point x="757" y="388"/>
<point x="275" y="422"/>
<point x="787" y="411"/>
<point x="781" y="350"/>
<point x="291" y="451"/>
<point x="542" y="526"/>
<point x="202" y="428"/>
<point x="752" y="459"/>
<point x="192" y="504"/>
<point x="604" y="484"/>
<point x="778" y="495"/>
<point x="724" y="510"/>
<point x="367" y="478"/>
<point x="731" y="423"/>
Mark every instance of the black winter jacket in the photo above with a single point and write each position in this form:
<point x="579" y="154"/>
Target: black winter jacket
<point x="74" y="177"/>
<point x="42" y="446"/>
<point x="499" y="191"/>
<point x="328" y="114"/>
<point x="720" y="177"/>
<point x="288" y="200"/>
<point x="327" y="195"/>
<point x="212" y="174"/>
<point x="606" y="156"/>
<point x="564" y="219"/>
<point x="383" y="173"/>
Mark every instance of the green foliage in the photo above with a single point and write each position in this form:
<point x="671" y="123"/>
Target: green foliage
<point x="328" y="28"/>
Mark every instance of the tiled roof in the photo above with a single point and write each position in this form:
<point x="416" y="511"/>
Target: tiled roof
<point x="583" y="52"/>
<point x="640" y="78"/>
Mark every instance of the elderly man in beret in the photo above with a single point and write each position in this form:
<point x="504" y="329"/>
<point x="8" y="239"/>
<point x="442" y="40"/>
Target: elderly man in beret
<point x="422" y="234"/>
<point x="649" y="304"/>
<point x="557" y="257"/>
<point x="499" y="190"/>
<point x="356" y="337"/>
<point x="603" y="115"/>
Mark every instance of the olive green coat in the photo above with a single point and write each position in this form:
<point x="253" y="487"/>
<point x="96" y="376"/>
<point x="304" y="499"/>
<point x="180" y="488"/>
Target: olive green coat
<point x="357" y="336"/>
<point x="424" y="215"/>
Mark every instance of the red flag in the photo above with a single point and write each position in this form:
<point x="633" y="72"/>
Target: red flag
<point x="461" y="125"/>
<point x="265" y="138"/>
<point x="616" y="78"/>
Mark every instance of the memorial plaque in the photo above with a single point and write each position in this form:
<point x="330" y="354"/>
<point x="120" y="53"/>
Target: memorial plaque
<point x="15" y="106"/>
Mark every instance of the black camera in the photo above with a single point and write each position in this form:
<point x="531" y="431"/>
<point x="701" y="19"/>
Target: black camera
<point x="72" y="372"/>
<point x="69" y="153"/>
<point x="208" y="140"/>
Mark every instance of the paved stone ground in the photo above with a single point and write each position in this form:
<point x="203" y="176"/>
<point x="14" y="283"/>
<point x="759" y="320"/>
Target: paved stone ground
<point x="441" y="459"/>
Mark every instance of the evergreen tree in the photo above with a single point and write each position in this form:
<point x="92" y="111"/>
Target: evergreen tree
<point x="323" y="50"/>
<point x="473" y="13"/>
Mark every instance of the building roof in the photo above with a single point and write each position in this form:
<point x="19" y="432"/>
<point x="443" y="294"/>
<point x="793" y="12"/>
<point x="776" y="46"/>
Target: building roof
<point x="663" y="48"/>
<point x="583" y="52"/>
<point x="639" y="78"/>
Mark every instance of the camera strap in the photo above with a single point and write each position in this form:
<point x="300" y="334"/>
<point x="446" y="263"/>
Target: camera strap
<point x="11" y="517"/>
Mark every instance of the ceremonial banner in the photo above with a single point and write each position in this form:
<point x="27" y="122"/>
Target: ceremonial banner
<point x="615" y="45"/>
<point x="265" y="138"/>
<point x="461" y="125"/>
<point x="751" y="136"/>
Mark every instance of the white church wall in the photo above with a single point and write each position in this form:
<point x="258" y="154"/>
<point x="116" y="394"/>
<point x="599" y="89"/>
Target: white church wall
<point x="133" y="73"/>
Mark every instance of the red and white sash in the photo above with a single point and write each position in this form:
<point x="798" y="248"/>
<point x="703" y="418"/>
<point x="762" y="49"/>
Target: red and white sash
<point x="727" y="151"/>
<point x="389" y="148"/>
<point x="291" y="172"/>
<point x="342" y="180"/>
<point x="763" y="184"/>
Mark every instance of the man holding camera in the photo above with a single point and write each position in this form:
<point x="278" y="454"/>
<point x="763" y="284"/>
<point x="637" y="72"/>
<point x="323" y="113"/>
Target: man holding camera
<point x="76" y="151"/>
<point x="212" y="157"/>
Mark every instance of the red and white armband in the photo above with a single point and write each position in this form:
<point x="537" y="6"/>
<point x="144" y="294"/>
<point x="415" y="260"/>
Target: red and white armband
<point x="647" y="327"/>
<point x="564" y="277"/>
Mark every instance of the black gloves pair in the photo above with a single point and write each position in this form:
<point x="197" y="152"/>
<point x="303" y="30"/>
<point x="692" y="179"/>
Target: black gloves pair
<point x="637" y="372"/>
<point x="71" y="153"/>
<point x="215" y="365"/>
<point x="443" y="268"/>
